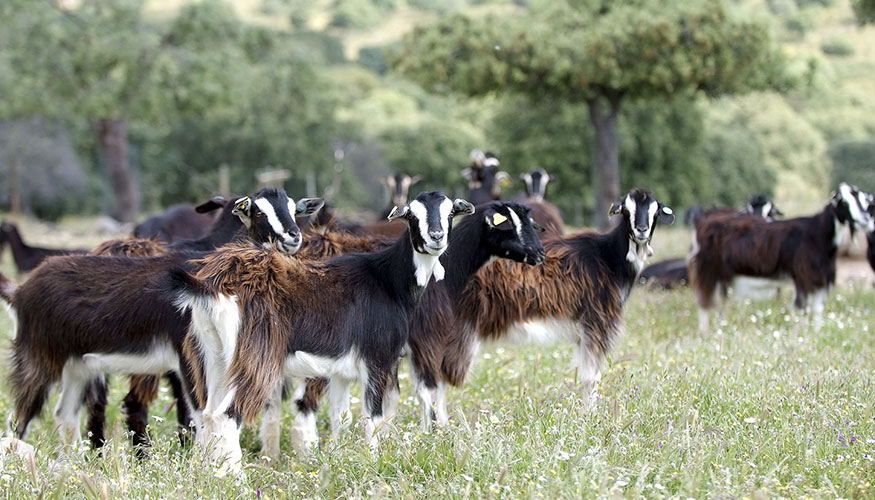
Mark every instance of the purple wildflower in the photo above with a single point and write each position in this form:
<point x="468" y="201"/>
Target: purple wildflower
<point x="258" y="493"/>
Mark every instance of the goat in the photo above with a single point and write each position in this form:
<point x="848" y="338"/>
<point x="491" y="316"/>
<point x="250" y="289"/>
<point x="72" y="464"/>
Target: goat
<point x="498" y="230"/>
<point x="870" y="238"/>
<point x="484" y="177"/>
<point x="179" y="222"/>
<point x="544" y="213"/>
<point x="399" y="187"/>
<point x="257" y="314"/>
<point x="80" y="317"/>
<point x="577" y="295"/>
<point x="671" y="273"/>
<point x="803" y="249"/>
<point x="26" y="257"/>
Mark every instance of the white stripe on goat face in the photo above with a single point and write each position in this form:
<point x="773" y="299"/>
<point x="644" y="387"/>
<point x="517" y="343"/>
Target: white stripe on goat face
<point x="269" y="212"/>
<point x="517" y="224"/>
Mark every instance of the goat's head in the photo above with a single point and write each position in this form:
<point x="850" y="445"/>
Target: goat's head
<point x="269" y="216"/>
<point x="640" y="212"/>
<point x="852" y="208"/>
<point x="511" y="232"/>
<point x="399" y="187"/>
<point x="485" y="173"/>
<point x="430" y="218"/>
<point x="536" y="183"/>
<point x="761" y="205"/>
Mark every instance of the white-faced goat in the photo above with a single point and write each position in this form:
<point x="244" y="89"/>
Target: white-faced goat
<point x="257" y="315"/>
<point x="498" y="230"/>
<point x="80" y="317"/>
<point x="485" y="178"/>
<point x="802" y="249"/>
<point x="544" y="213"/>
<point x="27" y="257"/>
<point x="577" y="295"/>
<point x="399" y="188"/>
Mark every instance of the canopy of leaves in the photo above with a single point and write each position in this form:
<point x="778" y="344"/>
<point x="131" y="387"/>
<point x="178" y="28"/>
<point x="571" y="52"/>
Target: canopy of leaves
<point x="639" y="48"/>
<point x="865" y="11"/>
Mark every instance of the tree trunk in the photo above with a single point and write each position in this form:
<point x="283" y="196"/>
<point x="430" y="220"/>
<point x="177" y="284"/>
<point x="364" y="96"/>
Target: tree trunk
<point x="606" y="156"/>
<point x="112" y="137"/>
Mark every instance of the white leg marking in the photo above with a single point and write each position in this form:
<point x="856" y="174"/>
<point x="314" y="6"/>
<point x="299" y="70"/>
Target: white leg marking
<point x="424" y="395"/>
<point x="304" y="435"/>
<point x="224" y="443"/>
<point x="338" y="406"/>
<point x="74" y="380"/>
<point x="589" y="366"/>
<point x="440" y="404"/>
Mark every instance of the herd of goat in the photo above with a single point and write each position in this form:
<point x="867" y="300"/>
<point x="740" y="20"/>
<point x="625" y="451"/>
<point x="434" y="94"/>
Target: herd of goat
<point x="232" y="301"/>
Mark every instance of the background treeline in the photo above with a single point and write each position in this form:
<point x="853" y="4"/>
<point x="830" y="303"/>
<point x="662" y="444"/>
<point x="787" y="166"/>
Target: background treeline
<point x="267" y="84"/>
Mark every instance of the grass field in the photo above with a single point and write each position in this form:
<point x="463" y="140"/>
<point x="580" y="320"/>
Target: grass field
<point x="759" y="407"/>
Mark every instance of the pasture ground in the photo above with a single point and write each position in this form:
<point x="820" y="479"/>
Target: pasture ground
<point x="759" y="407"/>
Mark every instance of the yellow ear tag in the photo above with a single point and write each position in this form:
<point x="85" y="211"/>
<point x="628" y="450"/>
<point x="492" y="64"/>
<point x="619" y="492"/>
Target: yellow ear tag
<point x="497" y="219"/>
<point x="241" y="206"/>
<point x="611" y="210"/>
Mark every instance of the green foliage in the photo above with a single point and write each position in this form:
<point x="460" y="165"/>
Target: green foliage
<point x="837" y="47"/>
<point x="854" y="162"/>
<point x="865" y="10"/>
<point x="441" y="7"/>
<point x="355" y="14"/>
<point x="316" y="47"/>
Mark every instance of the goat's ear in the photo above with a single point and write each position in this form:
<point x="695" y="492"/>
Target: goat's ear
<point x="415" y="179"/>
<point x="503" y="178"/>
<point x="537" y="227"/>
<point x="307" y="206"/>
<point x="467" y="174"/>
<point x="242" y="206"/>
<point x="398" y="212"/>
<point x="775" y="212"/>
<point x="553" y="178"/>
<point x="522" y="177"/>
<point x="666" y="215"/>
<point x="208" y="206"/>
<point x="835" y="198"/>
<point x="493" y="217"/>
<point x="616" y="208"/>
<point x="461" y="207"/>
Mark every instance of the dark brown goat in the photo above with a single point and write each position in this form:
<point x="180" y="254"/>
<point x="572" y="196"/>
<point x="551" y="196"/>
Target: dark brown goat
<point x="802" y="249"/>
<point x="179" y="222"/>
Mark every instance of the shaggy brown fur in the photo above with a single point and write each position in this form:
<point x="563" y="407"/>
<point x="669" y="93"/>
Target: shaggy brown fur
<point x="731" y="245"/>
<point x="568" y="285"/>
<point x="547" y="215"/>
<point x="132" y="247"/>
<point x="335" y="243"/>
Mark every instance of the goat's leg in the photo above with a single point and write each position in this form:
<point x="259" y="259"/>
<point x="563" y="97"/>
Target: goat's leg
<point x="589" y="364"/>
<point x="440" y="404"/>
<point x="95" y="401"/>
<point x="30" y="396"/>
<point x="306" y="400"/>
<point x="223" y="440"/>
<point x="424" y="394"/>
<point x="183" y="410"/>
<point x="271" y="418"/>
<point x="373" y="394"/>
<point x="75" y="378"/>
<point x="338" y="406"/>
<point x="143" y="390"/>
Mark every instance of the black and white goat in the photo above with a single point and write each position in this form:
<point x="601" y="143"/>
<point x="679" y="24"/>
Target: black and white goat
<point x="485" y="178"/>
<point x="498" y="230"/>
<point x="257" y="315"/>
<point x="399" y="188"/>
<point x="80" y="317"/>
<point x="577" y="295"/>
<point x="27" y="257"/>
<point x="543" y="212"/>
<point x="802" y="249"/>
<point x="870" y="237"/>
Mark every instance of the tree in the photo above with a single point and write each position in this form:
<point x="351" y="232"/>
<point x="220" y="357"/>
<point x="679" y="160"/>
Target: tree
<point x="600" y="53"/>
<point x="99" y="61"/>
<point x="865" y="11"/>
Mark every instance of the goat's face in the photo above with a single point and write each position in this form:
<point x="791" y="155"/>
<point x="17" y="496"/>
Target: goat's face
<point x="399" y="187"/>
<point x="762" y="206"/>
<point x="640" y="212"/>
<point x="511" y="232"/>
<point x="536" y="183"/>
<point x="485" y="172"/>
<point x="852" y="208"/>
<point x="430" y="218"/>
<point x="269" y="216"/>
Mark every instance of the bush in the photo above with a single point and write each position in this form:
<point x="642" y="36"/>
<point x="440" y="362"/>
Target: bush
<point x="854" y="162"/>
<point x="355" y="14"/>
<point x="837" y="47"/>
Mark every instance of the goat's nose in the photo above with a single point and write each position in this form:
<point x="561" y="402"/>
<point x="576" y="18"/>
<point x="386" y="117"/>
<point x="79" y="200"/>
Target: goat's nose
<point x="436" y="234"/>
<point x="642" y="229"/>
<point x="294" y="238"/>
